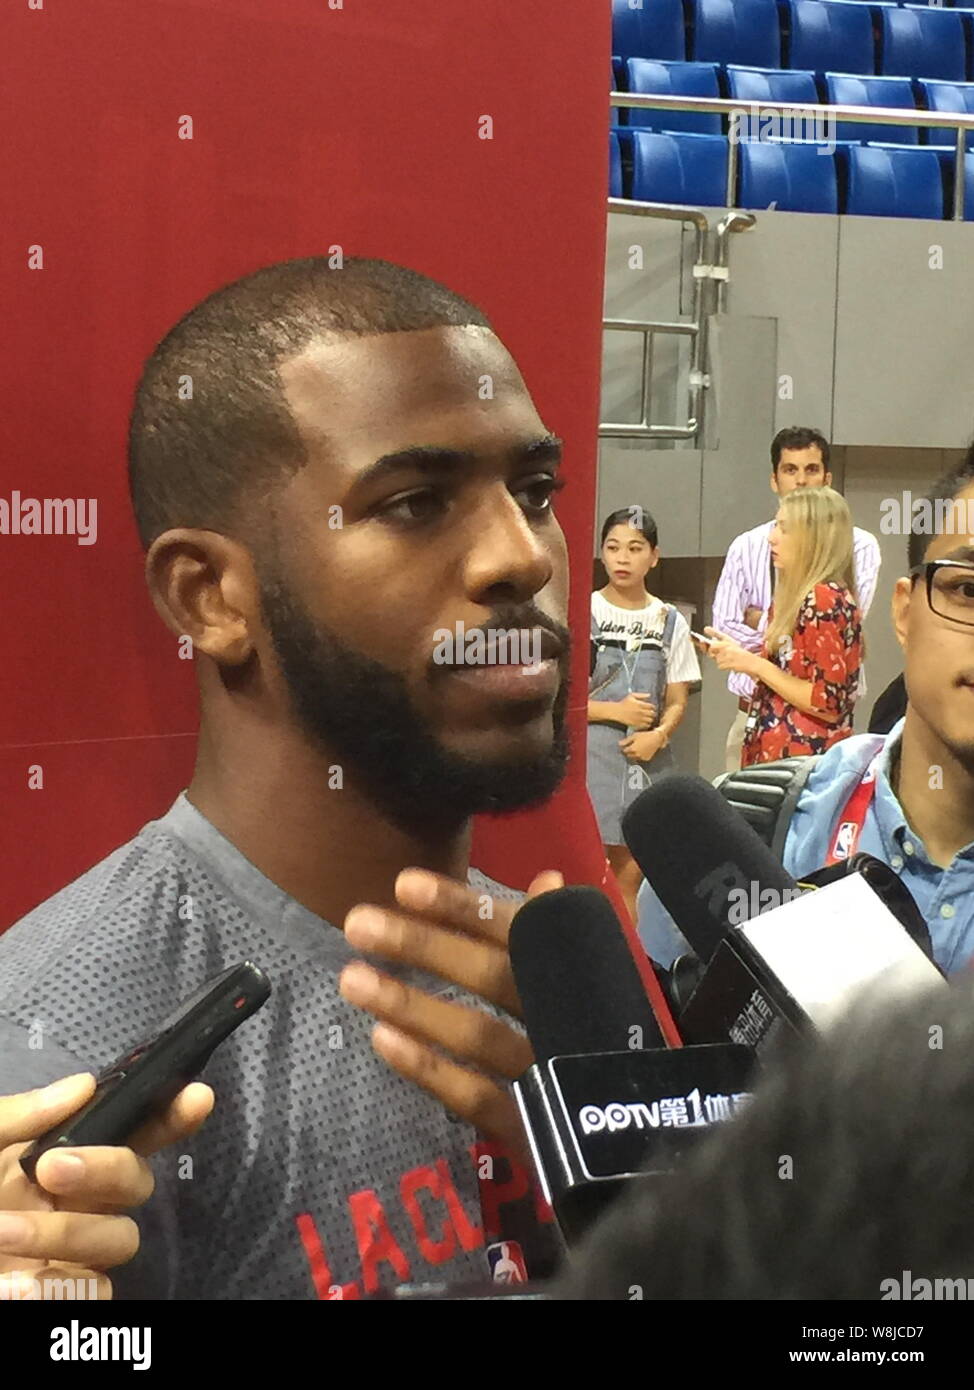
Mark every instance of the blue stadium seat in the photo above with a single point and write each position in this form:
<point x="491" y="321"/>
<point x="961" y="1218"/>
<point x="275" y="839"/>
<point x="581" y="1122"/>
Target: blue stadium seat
<point x="795" y="178"/>
<point x="770" y="86"/>
<point x="655" y="77"/>
<point x="618" y="115"/>
<point x="947" y="166"/>
<point x="831" y="36"/>
<point x="883" y="182"/>
<point x="684" y="169"/>
<point x="921" y="42"/>
<point x="952" y="97"/>
<point x="849" y="90"/>
<point x="763" y="88"/>
<point x="737" y="31"/>
<point x="655" y="30"/>
<point x="615" y="166"/>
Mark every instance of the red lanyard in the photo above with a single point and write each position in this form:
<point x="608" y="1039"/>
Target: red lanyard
<point x="853" y="817"/>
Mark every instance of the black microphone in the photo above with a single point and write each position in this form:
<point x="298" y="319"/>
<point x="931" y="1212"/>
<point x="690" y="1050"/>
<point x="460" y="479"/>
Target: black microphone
<point x="779" y="960"/>
<point x="606" y="1103"/>
<point x="702" y="859"/>
<point x="579" y="986"/>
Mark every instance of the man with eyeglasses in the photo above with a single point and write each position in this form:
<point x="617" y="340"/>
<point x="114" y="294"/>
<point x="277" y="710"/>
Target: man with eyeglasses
<point x="906" y="797"/>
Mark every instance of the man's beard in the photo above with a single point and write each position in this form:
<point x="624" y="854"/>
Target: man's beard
<point x="360" y="713"/>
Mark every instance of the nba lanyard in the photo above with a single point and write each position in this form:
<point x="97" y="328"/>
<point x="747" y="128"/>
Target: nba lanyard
<point x="853" y="817"/>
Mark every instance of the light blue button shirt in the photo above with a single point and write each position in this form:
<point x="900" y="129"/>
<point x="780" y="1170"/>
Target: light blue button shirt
<point x="945" y="897"/>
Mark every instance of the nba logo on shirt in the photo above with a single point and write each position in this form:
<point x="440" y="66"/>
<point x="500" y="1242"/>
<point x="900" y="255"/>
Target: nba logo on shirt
<point x="844" y="839"/>
<point x="507" y="1263"/>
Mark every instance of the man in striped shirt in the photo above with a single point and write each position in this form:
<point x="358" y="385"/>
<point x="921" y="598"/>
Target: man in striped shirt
<point x="799" y="458"/>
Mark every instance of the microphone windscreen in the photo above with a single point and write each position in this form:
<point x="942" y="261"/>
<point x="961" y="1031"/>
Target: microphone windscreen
<point x="701" y="857"/>
<point x="579" y="986"/>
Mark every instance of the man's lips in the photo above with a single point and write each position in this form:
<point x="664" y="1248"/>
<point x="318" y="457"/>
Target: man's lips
<point x="538" y="640"/>
<point x="528" y="670"/>
<point x="510" y="682"/>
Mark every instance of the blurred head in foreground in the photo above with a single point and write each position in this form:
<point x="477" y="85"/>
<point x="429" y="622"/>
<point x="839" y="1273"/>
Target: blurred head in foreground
<point x="850" y="1176"/>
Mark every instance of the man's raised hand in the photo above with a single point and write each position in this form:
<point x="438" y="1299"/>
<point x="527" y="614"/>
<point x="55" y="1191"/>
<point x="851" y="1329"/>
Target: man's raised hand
<point x="459" y="935"/>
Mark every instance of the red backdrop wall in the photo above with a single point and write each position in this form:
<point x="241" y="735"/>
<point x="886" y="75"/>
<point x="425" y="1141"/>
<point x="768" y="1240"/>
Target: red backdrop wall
<point x="312" y="126"/>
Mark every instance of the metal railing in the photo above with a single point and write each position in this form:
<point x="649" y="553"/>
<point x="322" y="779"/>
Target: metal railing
<point x="861" y="115"/>
<point x="708" y="268"/>
<point x="713" y="268"/>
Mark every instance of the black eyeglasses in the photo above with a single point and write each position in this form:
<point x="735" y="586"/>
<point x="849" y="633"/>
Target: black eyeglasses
<point x="950" y="589"/>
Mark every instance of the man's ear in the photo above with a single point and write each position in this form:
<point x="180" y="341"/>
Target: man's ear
<point x="203" y="586"/>
<point x="903" y="595"/>
<point x="828" y="479"/>
<point x="774" y="480"/>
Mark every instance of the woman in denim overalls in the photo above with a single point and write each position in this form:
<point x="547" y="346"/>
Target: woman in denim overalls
<point x="642" y="664"/>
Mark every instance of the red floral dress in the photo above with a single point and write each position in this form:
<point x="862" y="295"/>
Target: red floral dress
<point x="826" y="649"/>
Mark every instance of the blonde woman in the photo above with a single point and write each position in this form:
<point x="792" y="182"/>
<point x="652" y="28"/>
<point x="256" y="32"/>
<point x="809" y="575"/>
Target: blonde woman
<point x="807" y="673"/>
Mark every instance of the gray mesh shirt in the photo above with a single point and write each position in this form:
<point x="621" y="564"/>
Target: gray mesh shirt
<point x="320" y="1173"/>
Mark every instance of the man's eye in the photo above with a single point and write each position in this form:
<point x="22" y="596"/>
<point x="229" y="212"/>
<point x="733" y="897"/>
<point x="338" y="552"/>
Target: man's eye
<point x="537" y="494"/>
<point x="419" y="506"/>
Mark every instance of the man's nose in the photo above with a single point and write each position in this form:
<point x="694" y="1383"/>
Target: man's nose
<point x="507" y="556"/>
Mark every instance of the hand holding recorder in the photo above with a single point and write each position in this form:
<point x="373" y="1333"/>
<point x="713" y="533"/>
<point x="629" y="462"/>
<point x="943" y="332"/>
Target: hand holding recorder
<point x="72" y="1156"/>
<point x="70" y="1220"/>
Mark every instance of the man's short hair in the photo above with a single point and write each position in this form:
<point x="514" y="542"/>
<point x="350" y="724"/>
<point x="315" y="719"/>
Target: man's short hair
<point x="799" y="437"/>
<point x="211" y="434"/>
<point x="954" y="481"/>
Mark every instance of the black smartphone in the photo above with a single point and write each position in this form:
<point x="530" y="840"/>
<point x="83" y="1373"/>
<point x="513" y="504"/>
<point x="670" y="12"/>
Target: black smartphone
<point x="147" y="1078"/>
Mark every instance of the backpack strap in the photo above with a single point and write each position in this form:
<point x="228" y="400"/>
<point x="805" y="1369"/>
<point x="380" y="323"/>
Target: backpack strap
<point x="669" y="626"/>
<point x="766" y="795"/>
